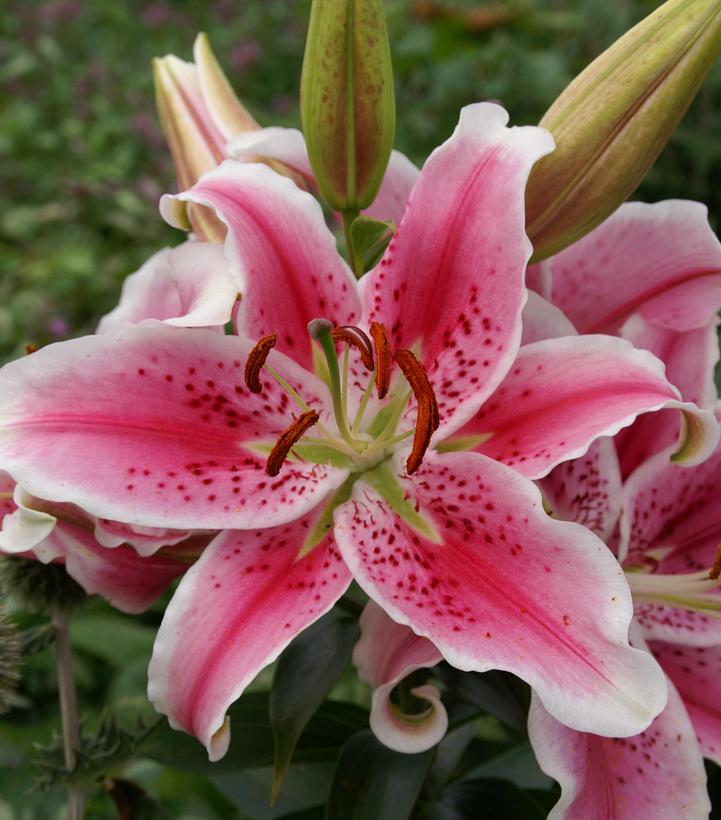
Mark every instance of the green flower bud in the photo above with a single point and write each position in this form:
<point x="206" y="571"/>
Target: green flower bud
<point x="347" y="100"/>
<point x="613" y="120"/>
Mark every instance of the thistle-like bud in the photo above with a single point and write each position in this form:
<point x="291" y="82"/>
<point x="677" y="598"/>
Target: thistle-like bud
<point x="613" y="120"/>
<point x="348" y="100"/>
<point x="9" y="660"/>
<point x="199" y="113"/>
<point x="38" y="588"/>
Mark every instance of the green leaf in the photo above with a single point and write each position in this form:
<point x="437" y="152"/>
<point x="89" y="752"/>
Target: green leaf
<point x="306" y="672"/>
<point x="369" y="238"/>
<point x="251" y="742"/>
<point x="489" y="799"/>
<point x="374" y="783"/>
<point x="497" y="693"/>
<point x="112" y="638"/>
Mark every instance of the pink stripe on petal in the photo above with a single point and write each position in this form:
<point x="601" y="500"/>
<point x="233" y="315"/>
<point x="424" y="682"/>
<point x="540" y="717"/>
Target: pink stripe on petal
<point x="508" y="588"/>
<point x="661" y="260"/>
<point x="187" y="286"/>
<point x="234" y="612"/>
<point x="561" y="394"/>
<point x="656" y="775"/>
<point x="696" y="673"/>
<point x="151" y="426"/>
<point x="386" y="653"/>
<point x="452" y="278"/>
<point x="281" y="255"/>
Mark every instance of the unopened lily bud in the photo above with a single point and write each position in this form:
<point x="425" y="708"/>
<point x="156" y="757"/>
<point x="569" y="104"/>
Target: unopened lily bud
<point x="613" y="120"/>
<point x="347" y="100"/>
<point x="199" y="113"/>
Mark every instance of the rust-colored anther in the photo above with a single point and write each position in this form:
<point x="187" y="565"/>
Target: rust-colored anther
<point x="716" y="568"/>
<point x="427" y="419"/>
<point x="384" y="361"/>
<point x="355" y="337"/>
<point x="30" y="347"/>
<point x="287" y="439"/>
<point x="256" y="360"/>
<point x="418" y="379"/>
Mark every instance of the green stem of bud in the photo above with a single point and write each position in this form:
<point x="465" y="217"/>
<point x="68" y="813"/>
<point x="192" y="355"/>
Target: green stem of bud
<point x="68" y="708"/>
<point x="354" y="258"/>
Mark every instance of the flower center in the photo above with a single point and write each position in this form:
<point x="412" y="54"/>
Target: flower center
<point x="354" y="443"/>
<point x="695" y="591"/>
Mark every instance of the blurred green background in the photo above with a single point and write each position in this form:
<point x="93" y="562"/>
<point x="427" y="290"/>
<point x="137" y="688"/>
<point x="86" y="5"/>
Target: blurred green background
<point x="83" y="163"/>
<point x="83" y="160"/>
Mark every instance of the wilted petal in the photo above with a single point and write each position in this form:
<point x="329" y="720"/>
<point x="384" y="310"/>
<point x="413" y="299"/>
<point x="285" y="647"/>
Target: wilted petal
<point x="234" y="612"/>
<point x="281" y="255"/>
<point x="187" y="286"/>
<point x="152" y="426"/>
<point x="561" y="394"/>
<point x="386" y="653"/>
<point x="660" y="260"/>
<point x="504" y="586"/>
<point x="451" y="281"/>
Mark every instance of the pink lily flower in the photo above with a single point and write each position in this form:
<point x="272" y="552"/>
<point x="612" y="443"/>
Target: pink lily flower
<point x="197" y="430"/>
<point x="386" y="653"/>
<point x="666" y="525"/>
<point x="651" y="274"/>
<point x="126" y="580"/>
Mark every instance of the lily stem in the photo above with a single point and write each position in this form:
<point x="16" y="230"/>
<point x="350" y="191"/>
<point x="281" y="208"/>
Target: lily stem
<point x="68" y="709"/>
<point x="354" y="258"/>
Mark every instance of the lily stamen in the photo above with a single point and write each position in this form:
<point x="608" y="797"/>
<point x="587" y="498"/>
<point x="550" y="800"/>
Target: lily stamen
<point x="256" y="361"/>
<point x="384" y="361"/>
<point x="428" y="419"/>
<point x="355" y="337"/>
<point x="287" y="439"/>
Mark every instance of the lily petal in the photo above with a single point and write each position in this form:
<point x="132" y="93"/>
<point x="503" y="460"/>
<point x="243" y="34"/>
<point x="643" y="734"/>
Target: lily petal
<point x="695" y="673"/>
<point x="151" y="425"/>
<point x="386" y="653"/>
<point x="281" y="255"/>
<point x="287" y="145"/>
<point x="187" y="286"/>
<point x="451" y="280"/>
<point x="661" y="260"/>
<point x="127" y="581"/>
<point x="657" y="774"/>
<point x="690" y="358"/>
<point x="587" y="490"/>
<point x="561" y="394"/>
<point x="504" y="586"/>
<point x="145" y="540"/>
<point x="23" y="527"/>
<point x="233" y="613"/>
<point x="543" y="320"/>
